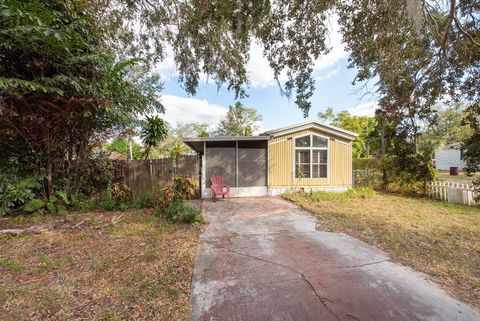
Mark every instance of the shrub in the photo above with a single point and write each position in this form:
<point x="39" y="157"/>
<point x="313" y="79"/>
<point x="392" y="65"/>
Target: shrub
<point x="107" y="201"/>
<point x="83" y="204"/>
<point x="16" y="189"/>
<point x="179" y="211"/>
<point x="58" y="202"/>
<point x="364" y="163"/>
<point x="146" y="200"/>
<point x="117" y="196"/>
<point x="35" y="205"/>
<point x="185" y="187"/>
<point x="167" y="196"/>
<point x="121" y="192"/>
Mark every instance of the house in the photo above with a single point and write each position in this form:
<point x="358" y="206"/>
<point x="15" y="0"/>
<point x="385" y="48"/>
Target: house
<point x="450" y="155"/>
<point x="308" y="156"/>
<point x="115" y="156"/>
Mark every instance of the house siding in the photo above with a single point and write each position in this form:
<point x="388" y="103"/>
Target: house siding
<point x="281" y="158"/>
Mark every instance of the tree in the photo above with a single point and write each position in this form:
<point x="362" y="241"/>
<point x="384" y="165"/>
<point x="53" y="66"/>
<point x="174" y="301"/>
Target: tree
<point x="120" y="145"/>
<point x="154" y="131"/>
<point x="239" y="121"/>
<point x="214" y="38"/>
<point x="471" y="145"/>
<point x="364" y="126"/>
<point x="173" y="144"/>
<point x="419" y="52"/>
<point x="449" y="127"/>
<point x="61" y="91"/>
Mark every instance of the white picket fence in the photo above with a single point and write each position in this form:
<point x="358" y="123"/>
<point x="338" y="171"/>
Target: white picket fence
<point x="453" y="192"/>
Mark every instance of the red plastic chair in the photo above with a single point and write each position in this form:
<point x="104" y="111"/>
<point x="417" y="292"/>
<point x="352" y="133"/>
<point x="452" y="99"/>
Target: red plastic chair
<point x="219" y="187"/>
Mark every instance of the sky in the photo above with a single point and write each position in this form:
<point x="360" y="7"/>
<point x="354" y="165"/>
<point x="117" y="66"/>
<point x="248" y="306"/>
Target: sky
<point x="333" y="89"/>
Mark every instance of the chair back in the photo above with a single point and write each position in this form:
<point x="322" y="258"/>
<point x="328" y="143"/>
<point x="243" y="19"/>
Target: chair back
<point x="217" y="182"/>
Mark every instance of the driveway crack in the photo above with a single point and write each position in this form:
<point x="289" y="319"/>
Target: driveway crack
<point x="303" y="277"/>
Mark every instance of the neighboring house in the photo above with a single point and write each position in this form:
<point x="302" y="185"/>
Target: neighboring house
<point x="451" y="155"/>
<point x="309" y="156"/>
<point x="115" y="156"/>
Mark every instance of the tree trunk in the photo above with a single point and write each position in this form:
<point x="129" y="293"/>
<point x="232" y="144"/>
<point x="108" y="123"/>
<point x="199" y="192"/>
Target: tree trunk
<point x="383" y="151"/>
<point x="49" y="179"/>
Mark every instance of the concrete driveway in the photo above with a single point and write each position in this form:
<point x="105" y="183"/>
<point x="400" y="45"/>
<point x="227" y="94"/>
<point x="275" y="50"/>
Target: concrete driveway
<point x="264" y="259"/>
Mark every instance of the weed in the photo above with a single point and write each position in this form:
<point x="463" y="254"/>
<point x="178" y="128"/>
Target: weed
<point x="11" y="264"/>
<point x="150" y="256"/>
<point x="179" y="211"/>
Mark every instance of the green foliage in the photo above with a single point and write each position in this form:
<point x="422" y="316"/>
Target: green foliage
<point x="239" y="121"/>
<point x="62" y="90"/>
<point x="364" y="126"/>
<point x="471" y="145"/>
<point x="214" y="38"/>
<point x="154" y="131"/>
<point x="364" y="163"/>
<point x="418" y="57"/>
<point x="117" y="196"/>
<point x="171" y="201"/>
<point x="179" y="211"/>
<point x="146" y="200"/>
<point x="173" y="144"/>
<point x="83" y="204"/>
<point x="449" y="125"/>
<point x="120" y="145"/>
<point x="16" y="189"/>
<point x="107" y="201"/>
<point x="58" y="203"/>
<point x="95" y="174"/>
<point x="34" y="205"/>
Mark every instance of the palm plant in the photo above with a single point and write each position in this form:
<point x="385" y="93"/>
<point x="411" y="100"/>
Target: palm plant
<point x="154" y="131"/>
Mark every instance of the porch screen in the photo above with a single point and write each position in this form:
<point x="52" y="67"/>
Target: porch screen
<point x="220" y="162"/>
<point x="252" y="164"/>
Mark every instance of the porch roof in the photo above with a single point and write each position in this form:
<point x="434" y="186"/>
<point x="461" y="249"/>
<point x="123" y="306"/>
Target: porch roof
<point x="196" y="143"/>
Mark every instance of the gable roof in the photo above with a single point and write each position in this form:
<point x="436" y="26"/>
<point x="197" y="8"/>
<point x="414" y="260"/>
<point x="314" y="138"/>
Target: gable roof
<point x="337" y="131"/>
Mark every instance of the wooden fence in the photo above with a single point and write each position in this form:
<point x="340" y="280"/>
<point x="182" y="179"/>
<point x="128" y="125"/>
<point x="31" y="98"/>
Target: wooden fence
<point x="453" y="192"/>
<point x="143" y="175"/>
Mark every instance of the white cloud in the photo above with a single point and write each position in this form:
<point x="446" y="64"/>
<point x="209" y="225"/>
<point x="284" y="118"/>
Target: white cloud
<point x="261" y="75"/>
<point x="330" y="74"/>
<point x="365" y="109"/>
<point x="167" y="68"/>
<point x="186" y="110"/>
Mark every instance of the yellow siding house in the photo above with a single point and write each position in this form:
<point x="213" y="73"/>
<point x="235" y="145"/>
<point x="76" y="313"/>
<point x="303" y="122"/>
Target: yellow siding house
<point x="308" y="156"/>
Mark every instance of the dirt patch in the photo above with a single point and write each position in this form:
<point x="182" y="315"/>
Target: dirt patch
<point x="440" y="239"/>
<point x="97" y="266"/>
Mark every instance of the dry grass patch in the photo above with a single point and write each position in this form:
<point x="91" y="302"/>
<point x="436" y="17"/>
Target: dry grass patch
<point x="138" y="269"/>
<point x="437" y="238"/>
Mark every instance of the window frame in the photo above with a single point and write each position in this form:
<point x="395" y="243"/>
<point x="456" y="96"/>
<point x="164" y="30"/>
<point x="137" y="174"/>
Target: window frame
<point x="310" y="149"/>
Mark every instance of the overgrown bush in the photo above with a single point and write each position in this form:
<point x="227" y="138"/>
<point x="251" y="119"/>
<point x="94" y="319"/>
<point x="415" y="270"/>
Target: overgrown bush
<point x="172" y="204"/>
<point x="83" y="203"/>
<point x="146" y="200"/>
<point x="364" y="163"/>
<point x="16" y="189"/>
<point x="96" y="174"/>
<point x="179" y="211"/>
<point x="185" y="186"/>
<point x="117" y="196"/>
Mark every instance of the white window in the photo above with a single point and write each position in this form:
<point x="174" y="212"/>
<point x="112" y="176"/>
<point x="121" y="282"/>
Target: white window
<point x="311" y="156"/>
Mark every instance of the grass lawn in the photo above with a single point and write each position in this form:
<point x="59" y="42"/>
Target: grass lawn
<point x="440" y="239"/>
<point x="461" y="177"/>
<point x="89" y="269"/>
